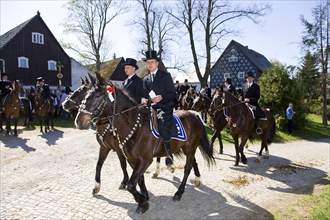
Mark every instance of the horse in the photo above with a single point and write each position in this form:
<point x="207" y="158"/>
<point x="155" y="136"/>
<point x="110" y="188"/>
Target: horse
<point x="26" y="110"/>
<point x="130" y="124"/>
<point x="11" y="106"/>
<point x="202" y="104"/>
<point x="242" y="123"/>
<point x="44" y="110"/>
<point x="187" y="99"/>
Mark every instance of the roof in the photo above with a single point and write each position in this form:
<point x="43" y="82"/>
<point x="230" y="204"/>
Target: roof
<point x="259" y="60"/>
<point x="8" y="36"/>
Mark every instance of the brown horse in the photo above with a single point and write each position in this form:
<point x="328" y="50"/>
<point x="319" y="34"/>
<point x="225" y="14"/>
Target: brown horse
<point x="105" y="103"/>
<point x="202" y="103"/>
<point x="26" y="111"/>
<point x="44" y="110"/>
<point x="242" y="123"/>
<point x="186" y="101"/>
<point x="11" y="106"/>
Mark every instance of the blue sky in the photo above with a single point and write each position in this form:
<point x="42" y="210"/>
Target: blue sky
<point x="278" y="37"/>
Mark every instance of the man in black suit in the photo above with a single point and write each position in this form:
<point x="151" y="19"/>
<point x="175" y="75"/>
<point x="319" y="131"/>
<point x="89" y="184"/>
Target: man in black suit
<point x="229" y="87"/>
<point x="251" y="94"/>
<point x="133" y="84"/>
<point x="5" y="88"/>
<point x="159" y="89"/>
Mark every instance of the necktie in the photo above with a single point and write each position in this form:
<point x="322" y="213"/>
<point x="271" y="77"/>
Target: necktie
<point x="152" y="77"/>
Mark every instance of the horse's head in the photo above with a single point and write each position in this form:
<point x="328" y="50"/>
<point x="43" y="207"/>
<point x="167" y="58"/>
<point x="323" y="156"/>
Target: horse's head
<point x="18" y="86"/>
<point x="218" y="101"/>
<point x="75" y="98"/>
<point x="99" y="101"/>
<point x="201" y="102"/>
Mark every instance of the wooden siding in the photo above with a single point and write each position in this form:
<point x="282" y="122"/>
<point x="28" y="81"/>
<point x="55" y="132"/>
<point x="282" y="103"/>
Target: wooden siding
<point x="38" y="54"/>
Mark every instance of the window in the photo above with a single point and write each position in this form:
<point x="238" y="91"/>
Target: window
<point x="23" y="62"/>
<point x="226" y="75"/>
<point x="52" y="65"/>
<point x="232" y="59"/>
<point x="240" y="75"/>
<point x="37" y="38"/>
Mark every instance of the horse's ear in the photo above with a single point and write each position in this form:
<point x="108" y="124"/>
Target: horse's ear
<point x="101" y="80"/>
<point x="93" y="80"/>
<point x="82" y="81"/>
<point x="87" y="81"/>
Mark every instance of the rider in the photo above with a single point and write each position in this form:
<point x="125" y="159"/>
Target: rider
<point x="251" y="94"/>
<point x="133" y="84"/>
<point x="5" y="88"/>
<point x="229" y="87"/>
<point x="159" y="86"/>
<point x="44" y="89"/>
<point x="184" y="88"/>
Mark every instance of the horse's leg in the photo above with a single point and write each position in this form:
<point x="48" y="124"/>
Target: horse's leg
<point x="263" y="146"/>
<point x="215" y="135"/>
<point x="7" y="125"/>
<point x="139" y="169"/>
<point x="103" y="153"/>
<point x="197" y="181"/>
<point x="241" y="148"/>
<point x="155" y="175"/>
<point x="1" y="118"/>
<point x="40" y="123"/>
<point x="15" y="126"/>
<point x="235" y="138"/>
<point x="123" y="165"/>
<point x="187" y="168"/>
<point x="220" y="143"/>
<point x="143" y="187"/>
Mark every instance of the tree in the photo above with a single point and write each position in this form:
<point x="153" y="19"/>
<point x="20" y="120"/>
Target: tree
<point x="213" y="18"/>
<point x="88" y="20"/>
<point x="277" y="91"/>
<point x="155" y="25"/>
<point x="316" y="39"/>
<point x="308" y="78"/>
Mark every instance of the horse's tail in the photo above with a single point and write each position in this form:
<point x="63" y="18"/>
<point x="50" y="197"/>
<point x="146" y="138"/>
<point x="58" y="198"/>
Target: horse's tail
<point x="205" y="147"/>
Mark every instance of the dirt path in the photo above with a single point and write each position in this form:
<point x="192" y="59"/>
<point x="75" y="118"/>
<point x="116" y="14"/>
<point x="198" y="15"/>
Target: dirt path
<point x="51" y="176"/>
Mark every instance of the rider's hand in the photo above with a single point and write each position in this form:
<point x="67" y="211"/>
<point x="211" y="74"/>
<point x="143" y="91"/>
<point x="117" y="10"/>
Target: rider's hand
<point x="157" y="99"/>
<point x="246" y="100"/>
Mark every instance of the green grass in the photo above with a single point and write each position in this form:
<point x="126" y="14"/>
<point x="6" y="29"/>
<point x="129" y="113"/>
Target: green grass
<point x="313" y="130"/>
<point x="311" y="206"/>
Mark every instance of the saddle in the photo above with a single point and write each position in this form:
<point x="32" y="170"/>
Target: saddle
<point x="253" y="110"/>
<point x="181" y="136"/>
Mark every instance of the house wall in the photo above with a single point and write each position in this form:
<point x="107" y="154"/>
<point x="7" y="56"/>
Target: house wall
<point x="78" y="72"/>
<point x="38" y="55"/>
<point x="223" y="66"/>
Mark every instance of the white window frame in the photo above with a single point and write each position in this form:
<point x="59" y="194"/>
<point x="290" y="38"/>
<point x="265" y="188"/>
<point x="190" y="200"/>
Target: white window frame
<point x="240" y="75"/>
<point x="37" y="38"/>
<point x="25" y="60"/>
<point x="226" y="75"/>
<point x="52" y="63"/>
<point x="232" y="59"/>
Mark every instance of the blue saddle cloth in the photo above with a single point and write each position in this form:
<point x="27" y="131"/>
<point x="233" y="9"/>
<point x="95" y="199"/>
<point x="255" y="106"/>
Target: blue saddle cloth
<point x="182" y="136"/>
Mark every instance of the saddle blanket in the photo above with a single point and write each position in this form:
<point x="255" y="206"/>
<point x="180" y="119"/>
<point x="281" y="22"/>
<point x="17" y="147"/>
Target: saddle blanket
<point x="182" y="136"/>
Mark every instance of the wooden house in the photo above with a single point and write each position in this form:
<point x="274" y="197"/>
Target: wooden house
<point x="30" y="50"/>
<point x="235" y="61"/>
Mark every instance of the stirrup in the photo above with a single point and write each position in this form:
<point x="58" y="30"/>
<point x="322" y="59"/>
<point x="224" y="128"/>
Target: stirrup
<point x="169" y="161"/>
<point x="259" y="131"/>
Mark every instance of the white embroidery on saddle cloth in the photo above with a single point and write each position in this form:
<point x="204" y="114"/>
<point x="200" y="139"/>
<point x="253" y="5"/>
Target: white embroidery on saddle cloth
<point x="251" y="108"/>
<point x="182" y="136"/>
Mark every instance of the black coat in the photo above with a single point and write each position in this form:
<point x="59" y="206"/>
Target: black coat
<point x="253" y="93"/>
<point x="134" y="88"/>
<point x="231" y="89"/>
<point x="3" y="85"/>
<point x="162" y="85"/>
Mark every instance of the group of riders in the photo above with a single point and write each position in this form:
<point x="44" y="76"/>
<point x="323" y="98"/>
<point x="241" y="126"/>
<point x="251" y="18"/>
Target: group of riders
<point x="41" y="88"/>
<point x="159" y="91"/>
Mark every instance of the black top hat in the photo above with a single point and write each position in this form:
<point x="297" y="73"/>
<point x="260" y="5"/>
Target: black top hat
<point x="40" y="79"/>
<point x="186" y="80"/>
<point x="249" y="74"/>
<point x="228" y="80"/>
<point x="131" y="62"/>
<point x="151" y="54"/>
<point x="3" y="74"/>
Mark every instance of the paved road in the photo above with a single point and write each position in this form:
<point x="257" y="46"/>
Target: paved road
<point x="51" y="176"/>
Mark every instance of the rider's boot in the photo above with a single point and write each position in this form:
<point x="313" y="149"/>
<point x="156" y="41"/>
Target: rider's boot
<point x="258" y="129"/>
<point x="169" y="158"/>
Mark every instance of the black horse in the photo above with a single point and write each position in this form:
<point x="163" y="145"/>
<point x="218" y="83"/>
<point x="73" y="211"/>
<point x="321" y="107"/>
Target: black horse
<point x="242" y="123"/>
<point x="105" y="103"/>
<point x="202" y="103"/>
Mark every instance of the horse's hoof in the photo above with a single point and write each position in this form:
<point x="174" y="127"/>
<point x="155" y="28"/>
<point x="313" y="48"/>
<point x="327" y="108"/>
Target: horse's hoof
<point x="266" y="157"/>
<point x="221" y="152"/>
<point x="236" y="164"/>
<point x="96" y="191"/>
<point x="244" y="161"/>
<point x="154" y="176"/>
<point x="142" y="208"/>
<point x="197" y="183"/>
<point x="247" y="146"/>
<point x="257" y="160"/>
<point x="170" y="168"/>
<point x="177" y="197"/>
<point x="122" y="186"/>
